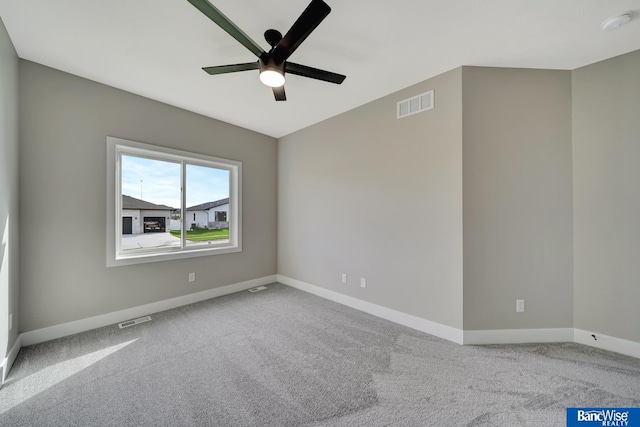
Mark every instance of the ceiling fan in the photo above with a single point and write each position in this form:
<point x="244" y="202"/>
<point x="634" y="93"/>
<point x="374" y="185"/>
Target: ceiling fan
<point x="273" y="64"/>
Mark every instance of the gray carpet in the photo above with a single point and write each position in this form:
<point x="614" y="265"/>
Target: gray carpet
<point x="282" y="357"/>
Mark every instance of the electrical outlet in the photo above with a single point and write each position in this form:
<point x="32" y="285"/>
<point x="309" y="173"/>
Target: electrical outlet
<point x="363" y="282"/>
<point x="344" y="277"/>
<point x="10" y="321"/>
<point x="519" y="306"/>
<point x="192" y="277"/>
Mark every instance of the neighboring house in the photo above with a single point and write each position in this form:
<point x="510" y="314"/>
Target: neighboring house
<point x="140" y="216"/>
<point x="209" y="215"/>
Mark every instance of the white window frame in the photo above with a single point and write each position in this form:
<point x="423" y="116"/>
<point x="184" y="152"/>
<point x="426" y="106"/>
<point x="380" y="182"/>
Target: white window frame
<point x="116" y="147"/>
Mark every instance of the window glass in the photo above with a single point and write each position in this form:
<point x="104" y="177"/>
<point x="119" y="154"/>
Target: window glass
<point x="150" y="199"/>
<point x="207" y="189"/>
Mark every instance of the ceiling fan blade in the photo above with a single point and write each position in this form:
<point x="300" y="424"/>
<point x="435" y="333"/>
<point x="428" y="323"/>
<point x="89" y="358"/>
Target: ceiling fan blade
<point x="278" y="92"/>
<point x="225" y="23"/>
<point x="314" y="73"/>
<point x="223" y="69"/>
<point x="306" y="23"/>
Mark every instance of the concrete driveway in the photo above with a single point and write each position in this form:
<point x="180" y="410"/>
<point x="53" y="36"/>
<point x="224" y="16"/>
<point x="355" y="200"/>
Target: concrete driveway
<point x="148" y="240"/>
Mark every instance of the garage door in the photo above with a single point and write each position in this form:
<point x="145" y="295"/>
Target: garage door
<point x="154" y="224"/>
<point x="127" y="225"/>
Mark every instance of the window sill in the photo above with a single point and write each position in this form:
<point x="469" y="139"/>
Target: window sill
<point x="147" y="257"/>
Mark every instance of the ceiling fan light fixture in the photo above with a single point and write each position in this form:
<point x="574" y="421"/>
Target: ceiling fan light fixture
<point x="272" y="78"/>
<point x="616" y="21"/>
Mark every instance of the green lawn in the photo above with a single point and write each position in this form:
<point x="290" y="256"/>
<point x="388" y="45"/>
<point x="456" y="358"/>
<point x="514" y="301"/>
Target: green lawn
<point x="204" y="235"/>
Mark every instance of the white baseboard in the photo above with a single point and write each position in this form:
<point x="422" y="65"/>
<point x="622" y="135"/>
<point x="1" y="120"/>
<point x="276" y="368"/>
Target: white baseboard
<point x="443" y="331"/>
<point x="518" y="336"/>
<point x="502" y="336"/>
<point x="62" y="330"/>
<point x="7" y="363"/>
<point x="606" y="342"/>
<point x="469" y="337"/>
<point x="505" y="336"/>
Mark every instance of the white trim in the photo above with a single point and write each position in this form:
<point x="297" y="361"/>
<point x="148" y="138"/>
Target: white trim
<point x="414" y="322"/>
<point x="500" y="336"/>
<point x="64" y="329"/>
<point x="606" y="342"/>
<point x="116" y="147"/>
<point x="7" y="363"/>
<point x="496" y="336"/>
<point x="518" y="336"/>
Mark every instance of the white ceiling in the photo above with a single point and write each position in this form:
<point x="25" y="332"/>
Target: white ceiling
<point x="156" y="48"/>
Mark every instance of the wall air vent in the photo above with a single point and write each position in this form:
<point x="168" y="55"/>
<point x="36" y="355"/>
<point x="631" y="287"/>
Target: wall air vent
<point x="134" y="322"/>
<point x="416" y="104"/>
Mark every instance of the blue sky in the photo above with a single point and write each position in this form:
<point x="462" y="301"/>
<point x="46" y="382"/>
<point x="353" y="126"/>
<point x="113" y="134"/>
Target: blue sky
<point x="159" y="182"/>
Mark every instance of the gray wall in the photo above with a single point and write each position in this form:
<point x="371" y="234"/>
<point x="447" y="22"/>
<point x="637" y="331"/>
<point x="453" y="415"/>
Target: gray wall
<point x="372" y="196"/>
<point x="362" y="193"/>
<point x="606" y="173"/>
<point x="64" y="121"/>
<point x="376" y="197"/>
<point x="517" y="198"/>
<point x="8" y="192"/>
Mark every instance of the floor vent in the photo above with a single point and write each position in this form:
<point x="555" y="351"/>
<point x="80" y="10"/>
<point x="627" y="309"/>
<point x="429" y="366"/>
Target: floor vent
<point x="134" y="322"/>
<point x="416" y="104"/>
<point x="258" y="289"/>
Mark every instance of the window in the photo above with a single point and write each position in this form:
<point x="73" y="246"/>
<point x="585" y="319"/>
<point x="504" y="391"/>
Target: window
<point x="160" y="187"/>
<point x="221" y="216"/>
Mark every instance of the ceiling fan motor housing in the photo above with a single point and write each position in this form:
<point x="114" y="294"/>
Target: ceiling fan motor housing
<point x="269" y="63"/>
<point x="271" y="71"/>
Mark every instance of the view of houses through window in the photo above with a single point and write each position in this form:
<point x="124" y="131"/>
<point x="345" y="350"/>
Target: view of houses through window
<point x="152" y="211"/>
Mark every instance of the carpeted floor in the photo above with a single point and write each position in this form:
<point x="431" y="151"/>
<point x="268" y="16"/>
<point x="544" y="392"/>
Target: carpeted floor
<point x="282" y="357"/>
